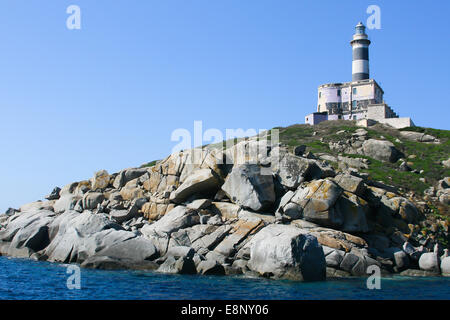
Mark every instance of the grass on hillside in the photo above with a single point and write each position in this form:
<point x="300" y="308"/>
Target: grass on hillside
<point x="428" y="157"/>
<point x="149" y="164"/>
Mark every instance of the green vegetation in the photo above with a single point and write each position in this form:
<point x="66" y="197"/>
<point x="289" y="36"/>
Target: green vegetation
<point x="149" y="164"/>
<point x="424" y="156"/>
<point x="388" y="173"/>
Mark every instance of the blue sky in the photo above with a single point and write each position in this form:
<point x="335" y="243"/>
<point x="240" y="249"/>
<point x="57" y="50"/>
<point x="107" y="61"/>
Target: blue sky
<point x="108" y="96"/>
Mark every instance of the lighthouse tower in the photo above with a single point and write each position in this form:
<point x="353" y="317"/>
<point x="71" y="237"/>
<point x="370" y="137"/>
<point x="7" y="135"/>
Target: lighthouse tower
<point x="360" y="45"/>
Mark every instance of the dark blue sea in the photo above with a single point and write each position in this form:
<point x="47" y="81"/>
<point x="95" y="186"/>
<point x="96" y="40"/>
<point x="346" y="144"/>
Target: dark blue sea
<point x="25" y="279"/>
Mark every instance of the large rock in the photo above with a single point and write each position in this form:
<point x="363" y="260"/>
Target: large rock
<point x="249" y="188"/>
<point x="210" y="267"/>
<point x="156" y="208"/>
<point x="446" y="163"/>
<point x="37" y="206"/>
<point x="135" y="249"/>
<point x="73" y="237"/>
<point x="65" y="202"/>
<point x="401" y="260"/>
<point x="76" y="236"/>
<point x="445" y="266"/>
<point x="90" y="245"/>
<point x="353" y="264"/>
<point x="54" y="195"/>
<point x="127" y="175"/>
<point x="68" y="188"/>
<point x="292" y="170"/>
<point x="353" y="211"/>
<point x="317" y="200"/>
<point x="418" y="136"/>
<point x="337" y="239"/>
<point x="194" y="159"/>
<point x="210" y="240"/>
<point x="157" y="182"/>
<point x="357" y="163"/>
<point x="226" y="210"/>
<point x="402" y="208"/>
<point x="400" y="257"/>
<point x="444" y="196"/>
<point x="283" y="251"/>
<point x="200" y="182"/>
<point x="180" y="252"/>
<point x="122" y="215"/>
<point x="333" y="257"/>
<point x="28" y="230"/>
<point x="160" y="231"/>
<point x="381" y="150"/>
<point x="349" y="262"/>
<point x="92" y="199"/>
<point x="132" y="190"/>
<point x="184" y="265"/>
<point x="240" y="230"/>
<point x="100" y="180"/>
<point x="178" y="218"/>
<point x="429" y="262"/>
<point x="248" y="151"/>
<point x="351" y="183"/>
<point x="199" y="204"/>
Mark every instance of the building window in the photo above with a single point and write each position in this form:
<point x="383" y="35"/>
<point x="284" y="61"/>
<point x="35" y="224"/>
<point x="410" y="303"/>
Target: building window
<point x="339" y="92"/>
<point x="354" y="90"/>
<point x="354" y="104"/>
<point x="339" y="117"/>
<point x="354" y="117"/>
<point x="320" y="94"/>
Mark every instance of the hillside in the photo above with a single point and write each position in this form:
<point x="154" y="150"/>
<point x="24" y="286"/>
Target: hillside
<point x="418" y="155"/>
<point x="424" y="160"/>
<point x="325" y="201"/>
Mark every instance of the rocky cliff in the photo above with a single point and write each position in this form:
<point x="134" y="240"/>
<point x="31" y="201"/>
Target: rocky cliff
<point x="329" y="200"/>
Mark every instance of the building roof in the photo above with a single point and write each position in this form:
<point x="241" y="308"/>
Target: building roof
<point x="353" y="83"/>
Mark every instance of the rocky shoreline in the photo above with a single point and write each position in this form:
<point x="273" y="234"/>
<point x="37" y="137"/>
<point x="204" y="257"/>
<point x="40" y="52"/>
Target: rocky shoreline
<point x="274" y="213"/>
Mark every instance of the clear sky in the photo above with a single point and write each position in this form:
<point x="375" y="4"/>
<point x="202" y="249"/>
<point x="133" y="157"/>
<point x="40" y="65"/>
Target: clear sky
<point x="109" y="95"/>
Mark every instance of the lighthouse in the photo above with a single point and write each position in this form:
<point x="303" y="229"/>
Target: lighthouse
<point x="360" y="47"/>
<point x="359" y="100"/>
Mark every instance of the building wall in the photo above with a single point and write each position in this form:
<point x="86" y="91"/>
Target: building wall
<point x="398" y="123"/>
<point x="364" y="92"/>
<point x="367" y="92"/>
<point x="380" y="111"/>
<point x="333" y="117"/>
<point x="376" y="112"/>
<point x="315" y="118"/>
<point x="327" y="95"/>
<point x="351" y="116"/>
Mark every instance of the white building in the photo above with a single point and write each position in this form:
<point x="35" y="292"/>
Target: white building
<point x="360" y="99"/>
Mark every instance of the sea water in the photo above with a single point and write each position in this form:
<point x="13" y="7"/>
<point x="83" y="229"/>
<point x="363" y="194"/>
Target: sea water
<point x="26" y="279"/>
